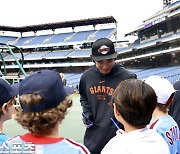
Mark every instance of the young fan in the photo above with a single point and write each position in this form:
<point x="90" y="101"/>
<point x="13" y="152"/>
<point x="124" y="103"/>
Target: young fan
<point x="44" y="104"/>
<point x="134" y="102"/>
<point x="163" y="123"/>
<point x="7" y="94"/>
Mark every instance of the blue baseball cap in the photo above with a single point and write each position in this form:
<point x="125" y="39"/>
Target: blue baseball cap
<point x="46" y="83"/>
<point x="7" y="91"/>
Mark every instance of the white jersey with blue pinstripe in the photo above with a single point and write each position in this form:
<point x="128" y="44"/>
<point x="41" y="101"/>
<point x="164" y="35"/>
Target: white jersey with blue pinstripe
<point x="169" y="130"/>
<point x="31" y="144"/>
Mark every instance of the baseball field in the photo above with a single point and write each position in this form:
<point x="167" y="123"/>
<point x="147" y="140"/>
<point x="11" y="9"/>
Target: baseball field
<point x="71" y="127"/>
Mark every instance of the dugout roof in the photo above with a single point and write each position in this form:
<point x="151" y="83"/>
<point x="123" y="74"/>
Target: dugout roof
<point x="64" y="24"/>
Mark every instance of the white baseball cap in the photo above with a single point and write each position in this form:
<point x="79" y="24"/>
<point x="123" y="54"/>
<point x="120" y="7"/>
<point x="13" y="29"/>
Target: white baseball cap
<point x="162" y="87"/>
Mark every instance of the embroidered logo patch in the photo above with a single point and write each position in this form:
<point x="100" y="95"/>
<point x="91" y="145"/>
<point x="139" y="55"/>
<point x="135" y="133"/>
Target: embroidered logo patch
<point x="104" y="49"/>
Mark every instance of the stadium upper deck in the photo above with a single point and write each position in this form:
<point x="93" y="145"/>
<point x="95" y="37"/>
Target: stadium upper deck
<point x="56" y="50"/>
<point x="158" y="35"/>
<point x="155" y="50"/>
<point x="63" y="38"/>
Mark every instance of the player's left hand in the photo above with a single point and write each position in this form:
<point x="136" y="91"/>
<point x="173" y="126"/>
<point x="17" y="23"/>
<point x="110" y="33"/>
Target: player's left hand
<point x="87" y="120"/>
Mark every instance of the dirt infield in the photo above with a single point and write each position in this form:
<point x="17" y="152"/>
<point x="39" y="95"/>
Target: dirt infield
<point x="71" y="127"/>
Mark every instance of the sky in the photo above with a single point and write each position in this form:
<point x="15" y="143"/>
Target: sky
<point x="128" y="13"/>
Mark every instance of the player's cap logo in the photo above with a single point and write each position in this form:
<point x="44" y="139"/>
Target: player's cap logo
<point x="104" y="49"/>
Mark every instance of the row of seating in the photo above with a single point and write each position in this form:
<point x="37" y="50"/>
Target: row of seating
<point x="59" y="54"/>
<point x="80" y="36"/>
<point x="49" y="55"/>
<point x="171" y="73"/>
<point x="152" y="42"/>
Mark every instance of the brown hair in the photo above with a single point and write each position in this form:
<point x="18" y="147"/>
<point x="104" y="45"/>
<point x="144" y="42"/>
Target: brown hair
<point x="163" y="107"/>
<point x="9" y="103"/>
<point x="135" y="101"/>
<point x="42" y="121"/>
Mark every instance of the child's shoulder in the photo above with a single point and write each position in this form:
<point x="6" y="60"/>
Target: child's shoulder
<point x="3" y="138"/>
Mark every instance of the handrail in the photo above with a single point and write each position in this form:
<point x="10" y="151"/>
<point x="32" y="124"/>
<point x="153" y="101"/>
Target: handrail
<point x="3" y="64"/>
<point x="22" y="61"/>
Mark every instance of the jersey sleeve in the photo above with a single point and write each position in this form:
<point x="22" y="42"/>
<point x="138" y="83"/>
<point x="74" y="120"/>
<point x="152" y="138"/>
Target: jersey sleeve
<point x="83" y="96"/>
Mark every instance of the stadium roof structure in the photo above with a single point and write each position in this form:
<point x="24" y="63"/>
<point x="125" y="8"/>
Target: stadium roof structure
<point x="167" y="12"/>
<point x="64" y="24"/>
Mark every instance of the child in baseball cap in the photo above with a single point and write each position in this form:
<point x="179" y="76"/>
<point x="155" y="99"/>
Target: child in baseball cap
<point x="7" y="99"/>
<point x="163" y="123"/>
<point x="44" y="102"/>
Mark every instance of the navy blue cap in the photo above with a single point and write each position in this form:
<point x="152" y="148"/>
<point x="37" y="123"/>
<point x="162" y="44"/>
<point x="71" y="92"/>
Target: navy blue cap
<point x="46" y="83"/>
<point x="7" y="91"/>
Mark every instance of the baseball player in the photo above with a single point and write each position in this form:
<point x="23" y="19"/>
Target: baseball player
<point x="96" y="87"/>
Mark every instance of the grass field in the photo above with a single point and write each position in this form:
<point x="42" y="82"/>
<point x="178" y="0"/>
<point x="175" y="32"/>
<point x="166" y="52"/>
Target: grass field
<point x="71" y="127"/>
